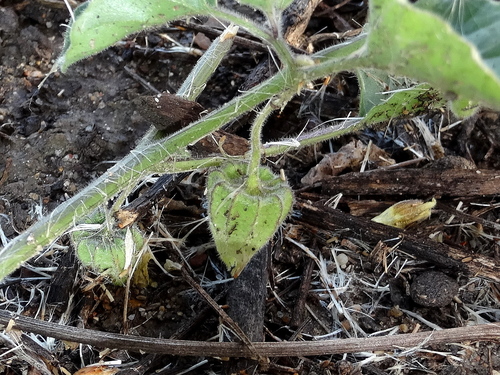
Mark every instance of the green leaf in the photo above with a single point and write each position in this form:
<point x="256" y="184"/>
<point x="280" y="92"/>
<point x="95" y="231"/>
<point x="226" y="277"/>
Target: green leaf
<point x="243" y="221"/>
<point x="408" y="41"/>
<point x="463" y="108"/>
<point x="105" y="251"/>
<point x="478" y="21"/>
<point x="101" y="23"/>
<point x="405" y="103"/>
<point x="372" y="85"/>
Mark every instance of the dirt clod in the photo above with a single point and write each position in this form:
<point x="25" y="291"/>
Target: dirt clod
<point x="433" y="289"/>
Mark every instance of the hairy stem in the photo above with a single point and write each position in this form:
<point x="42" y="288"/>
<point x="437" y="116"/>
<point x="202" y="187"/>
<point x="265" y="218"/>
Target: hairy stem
<point x="195" y="83"/>
<point x="253" y="180"/>
<point x="314" y="137"/>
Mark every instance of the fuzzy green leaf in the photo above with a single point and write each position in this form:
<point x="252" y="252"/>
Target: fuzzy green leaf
<point x="405" y="103"/>
<point x="477" y="21"/>
<point x="412" y="42"/>
<point x="372" y="85"/>
<point x="101" y="23"/>
<point x="105" y="250"/>
<point x="242" y="222"/>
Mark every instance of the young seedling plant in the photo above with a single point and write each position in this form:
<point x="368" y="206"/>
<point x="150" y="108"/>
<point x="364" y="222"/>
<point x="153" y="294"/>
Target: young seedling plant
<point x="447" y="45"/>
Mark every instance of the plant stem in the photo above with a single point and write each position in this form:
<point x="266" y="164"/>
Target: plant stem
<point x="256" y="151"/>
<point x="253" y="179"/>
<point x="193" y="164"/>
<point x="195" y="83"/>
<point x="314" y="137"/>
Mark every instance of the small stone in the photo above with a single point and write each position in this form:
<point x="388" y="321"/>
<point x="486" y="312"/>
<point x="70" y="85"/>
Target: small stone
<point x="433" y="289"/>
<point x="342" y="260"/>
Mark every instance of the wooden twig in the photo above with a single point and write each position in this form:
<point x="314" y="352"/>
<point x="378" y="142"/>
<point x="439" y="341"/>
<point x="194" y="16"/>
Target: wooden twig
<point x="486" y="332"/>
<point x="417" y="182"/>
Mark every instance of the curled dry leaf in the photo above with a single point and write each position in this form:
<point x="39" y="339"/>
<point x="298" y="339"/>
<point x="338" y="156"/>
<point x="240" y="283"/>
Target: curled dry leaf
<point x="350" y="157"/>
<point x="404" y="213"/>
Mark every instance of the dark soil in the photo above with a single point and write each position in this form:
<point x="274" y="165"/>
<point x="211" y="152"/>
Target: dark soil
<point x="56" y="139"/>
